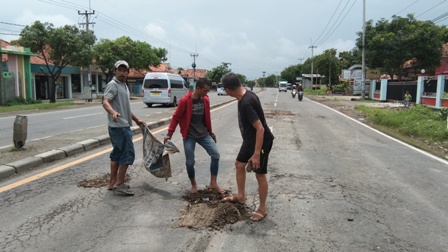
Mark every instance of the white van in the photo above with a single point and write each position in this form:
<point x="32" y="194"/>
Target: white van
<point x="282" y="86"/>
<point x="220" y="89"/>
<point x="163" y="88"/>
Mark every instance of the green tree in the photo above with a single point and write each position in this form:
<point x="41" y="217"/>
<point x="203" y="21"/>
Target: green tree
<point x="350" y="58"/>
<point x="139" y="55"/>
<point x="270" y="81"/>
<point x="291" y="73"/>
<point x="216" y="73"/>
<point x="58" y="47"/>
<point x="242" y="78"/>
<point x="329" y="66"/>
<point x="390" y="44"/>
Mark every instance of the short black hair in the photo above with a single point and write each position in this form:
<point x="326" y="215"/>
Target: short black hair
<point x="202" y="82"/>
<point x="231" y="81"/>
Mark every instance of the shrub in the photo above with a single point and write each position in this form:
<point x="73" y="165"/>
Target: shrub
<point x="21" y="101"/>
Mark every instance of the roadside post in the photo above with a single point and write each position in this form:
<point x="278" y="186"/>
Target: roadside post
<point x="20" y="131"/>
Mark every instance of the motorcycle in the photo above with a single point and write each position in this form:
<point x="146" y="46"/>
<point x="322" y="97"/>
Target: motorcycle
<point x="300" y="96"/>
<point x="293" y="92"/>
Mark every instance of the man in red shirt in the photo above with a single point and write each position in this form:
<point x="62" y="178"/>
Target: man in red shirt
<point x="193" y="116"/>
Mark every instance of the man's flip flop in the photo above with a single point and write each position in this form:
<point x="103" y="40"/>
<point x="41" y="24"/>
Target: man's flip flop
<point x="125" y="189"/>
<point x="232" y="199"/>
<point x="257" y="216"/>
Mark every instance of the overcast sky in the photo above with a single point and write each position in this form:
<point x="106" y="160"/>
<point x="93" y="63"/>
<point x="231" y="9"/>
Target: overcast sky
<point x="254" y="36"/>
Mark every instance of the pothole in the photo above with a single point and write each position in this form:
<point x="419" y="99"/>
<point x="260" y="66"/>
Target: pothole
<point x="206" y="210"/>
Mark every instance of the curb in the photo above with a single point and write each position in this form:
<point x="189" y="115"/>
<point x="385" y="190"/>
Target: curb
<point x="28" y="163"/>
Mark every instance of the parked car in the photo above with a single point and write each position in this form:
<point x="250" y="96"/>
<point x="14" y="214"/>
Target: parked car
<point x="288" y="86"/>
<point x="220" y="89"/>
<point x="163" y="88"/>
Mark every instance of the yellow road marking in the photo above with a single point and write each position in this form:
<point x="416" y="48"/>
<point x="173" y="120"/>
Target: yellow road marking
<point x="64" y="166"/>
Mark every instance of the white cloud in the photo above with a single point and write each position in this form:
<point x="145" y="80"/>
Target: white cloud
<point x="155" y="30"/>
<point x="28" y="18"/>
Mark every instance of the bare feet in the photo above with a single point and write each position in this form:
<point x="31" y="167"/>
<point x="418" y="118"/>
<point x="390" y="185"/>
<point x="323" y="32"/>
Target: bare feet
<point x="194" y="189"/>
<point x="217" y="188"/>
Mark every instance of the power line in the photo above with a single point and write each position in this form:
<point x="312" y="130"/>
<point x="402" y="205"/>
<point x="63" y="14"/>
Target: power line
<point x="64" y="5"/>
<point x="431" y="8"/>
<point x="12" y="24"/>
<point x="329" y="21"/>
<point x="406" y="7"/>
<point x="441" y="17"/>
<point x="333" y="28"/>
<point x="329" y="34"/>
<point x="12" y="34"/>
<point x="121" y="26"/>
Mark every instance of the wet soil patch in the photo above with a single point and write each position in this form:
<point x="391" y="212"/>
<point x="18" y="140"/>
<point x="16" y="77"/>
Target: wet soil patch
<point x="273" y="113"/>
<point x="97" y="181"/>
<point x="206" y="209"/>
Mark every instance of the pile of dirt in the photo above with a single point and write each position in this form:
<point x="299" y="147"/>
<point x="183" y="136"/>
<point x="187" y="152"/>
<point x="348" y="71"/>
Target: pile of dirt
<point x="206" y="209"/>
<point x="96" y="181"/>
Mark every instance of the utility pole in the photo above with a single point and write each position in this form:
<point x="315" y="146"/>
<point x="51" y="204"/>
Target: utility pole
<point x="194" y="55"/>
<point x="87" y="24"/>
<point x="87" y="15"/>
<point x="312" y="62"/>
<point x="329" y="74"/>
<point x="363" y="78"/>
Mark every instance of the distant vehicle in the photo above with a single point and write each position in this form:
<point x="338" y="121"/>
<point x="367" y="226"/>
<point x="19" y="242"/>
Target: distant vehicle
<point x="282" y="86"/>
<point x="163" y="88"/>
<point x="288" y="86"/>
<point x="220" y="89"/>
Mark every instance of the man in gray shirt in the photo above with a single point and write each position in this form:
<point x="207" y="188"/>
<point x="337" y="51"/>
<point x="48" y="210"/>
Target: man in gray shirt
<point x="116" y="101"/>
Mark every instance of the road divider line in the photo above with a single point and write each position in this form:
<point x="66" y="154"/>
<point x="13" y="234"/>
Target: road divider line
<point x="73" y="117"/>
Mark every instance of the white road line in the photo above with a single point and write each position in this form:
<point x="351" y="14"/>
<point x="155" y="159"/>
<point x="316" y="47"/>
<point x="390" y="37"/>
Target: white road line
<point x="387" y="136"/>
<point x="73" y="117"/>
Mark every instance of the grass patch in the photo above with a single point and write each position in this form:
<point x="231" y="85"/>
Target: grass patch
<point x="17" y="106"/>
<point x="310" y="91"/>
<point x="419" y="125"/>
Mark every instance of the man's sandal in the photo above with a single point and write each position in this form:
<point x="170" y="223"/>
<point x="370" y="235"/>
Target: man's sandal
<point x="233" y="199"/>
<point x="257" y="216"/>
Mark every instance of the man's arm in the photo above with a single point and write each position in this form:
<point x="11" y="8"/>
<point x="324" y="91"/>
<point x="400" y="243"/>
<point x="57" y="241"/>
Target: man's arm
<point x="140" y="123"/>
<point x="258" y="144"/>
<point x="175" y="120"/>
<point x="108" y="107"/>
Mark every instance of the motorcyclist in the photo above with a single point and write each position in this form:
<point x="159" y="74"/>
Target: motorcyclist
<point x="300" y="88"/>
<point x="293" y="91"/>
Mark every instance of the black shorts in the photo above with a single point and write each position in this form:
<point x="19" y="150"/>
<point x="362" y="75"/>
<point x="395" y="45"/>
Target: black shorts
<point x="247" y="151"/>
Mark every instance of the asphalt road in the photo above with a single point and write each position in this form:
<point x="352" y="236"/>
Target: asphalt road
<point x="334" y="185"/>
<point x="48" y="124"/>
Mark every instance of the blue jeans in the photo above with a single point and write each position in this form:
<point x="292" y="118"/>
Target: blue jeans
<point x="123" y="148"/>
<point x="209" y="145"/>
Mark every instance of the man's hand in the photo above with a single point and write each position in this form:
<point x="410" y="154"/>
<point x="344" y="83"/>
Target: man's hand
<point x="115" y="116"/>
<point x="213" y="137"/>
<point x="166" y="138"/>
<point x="255" y="159"/>
<point x="141" y="124"/>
